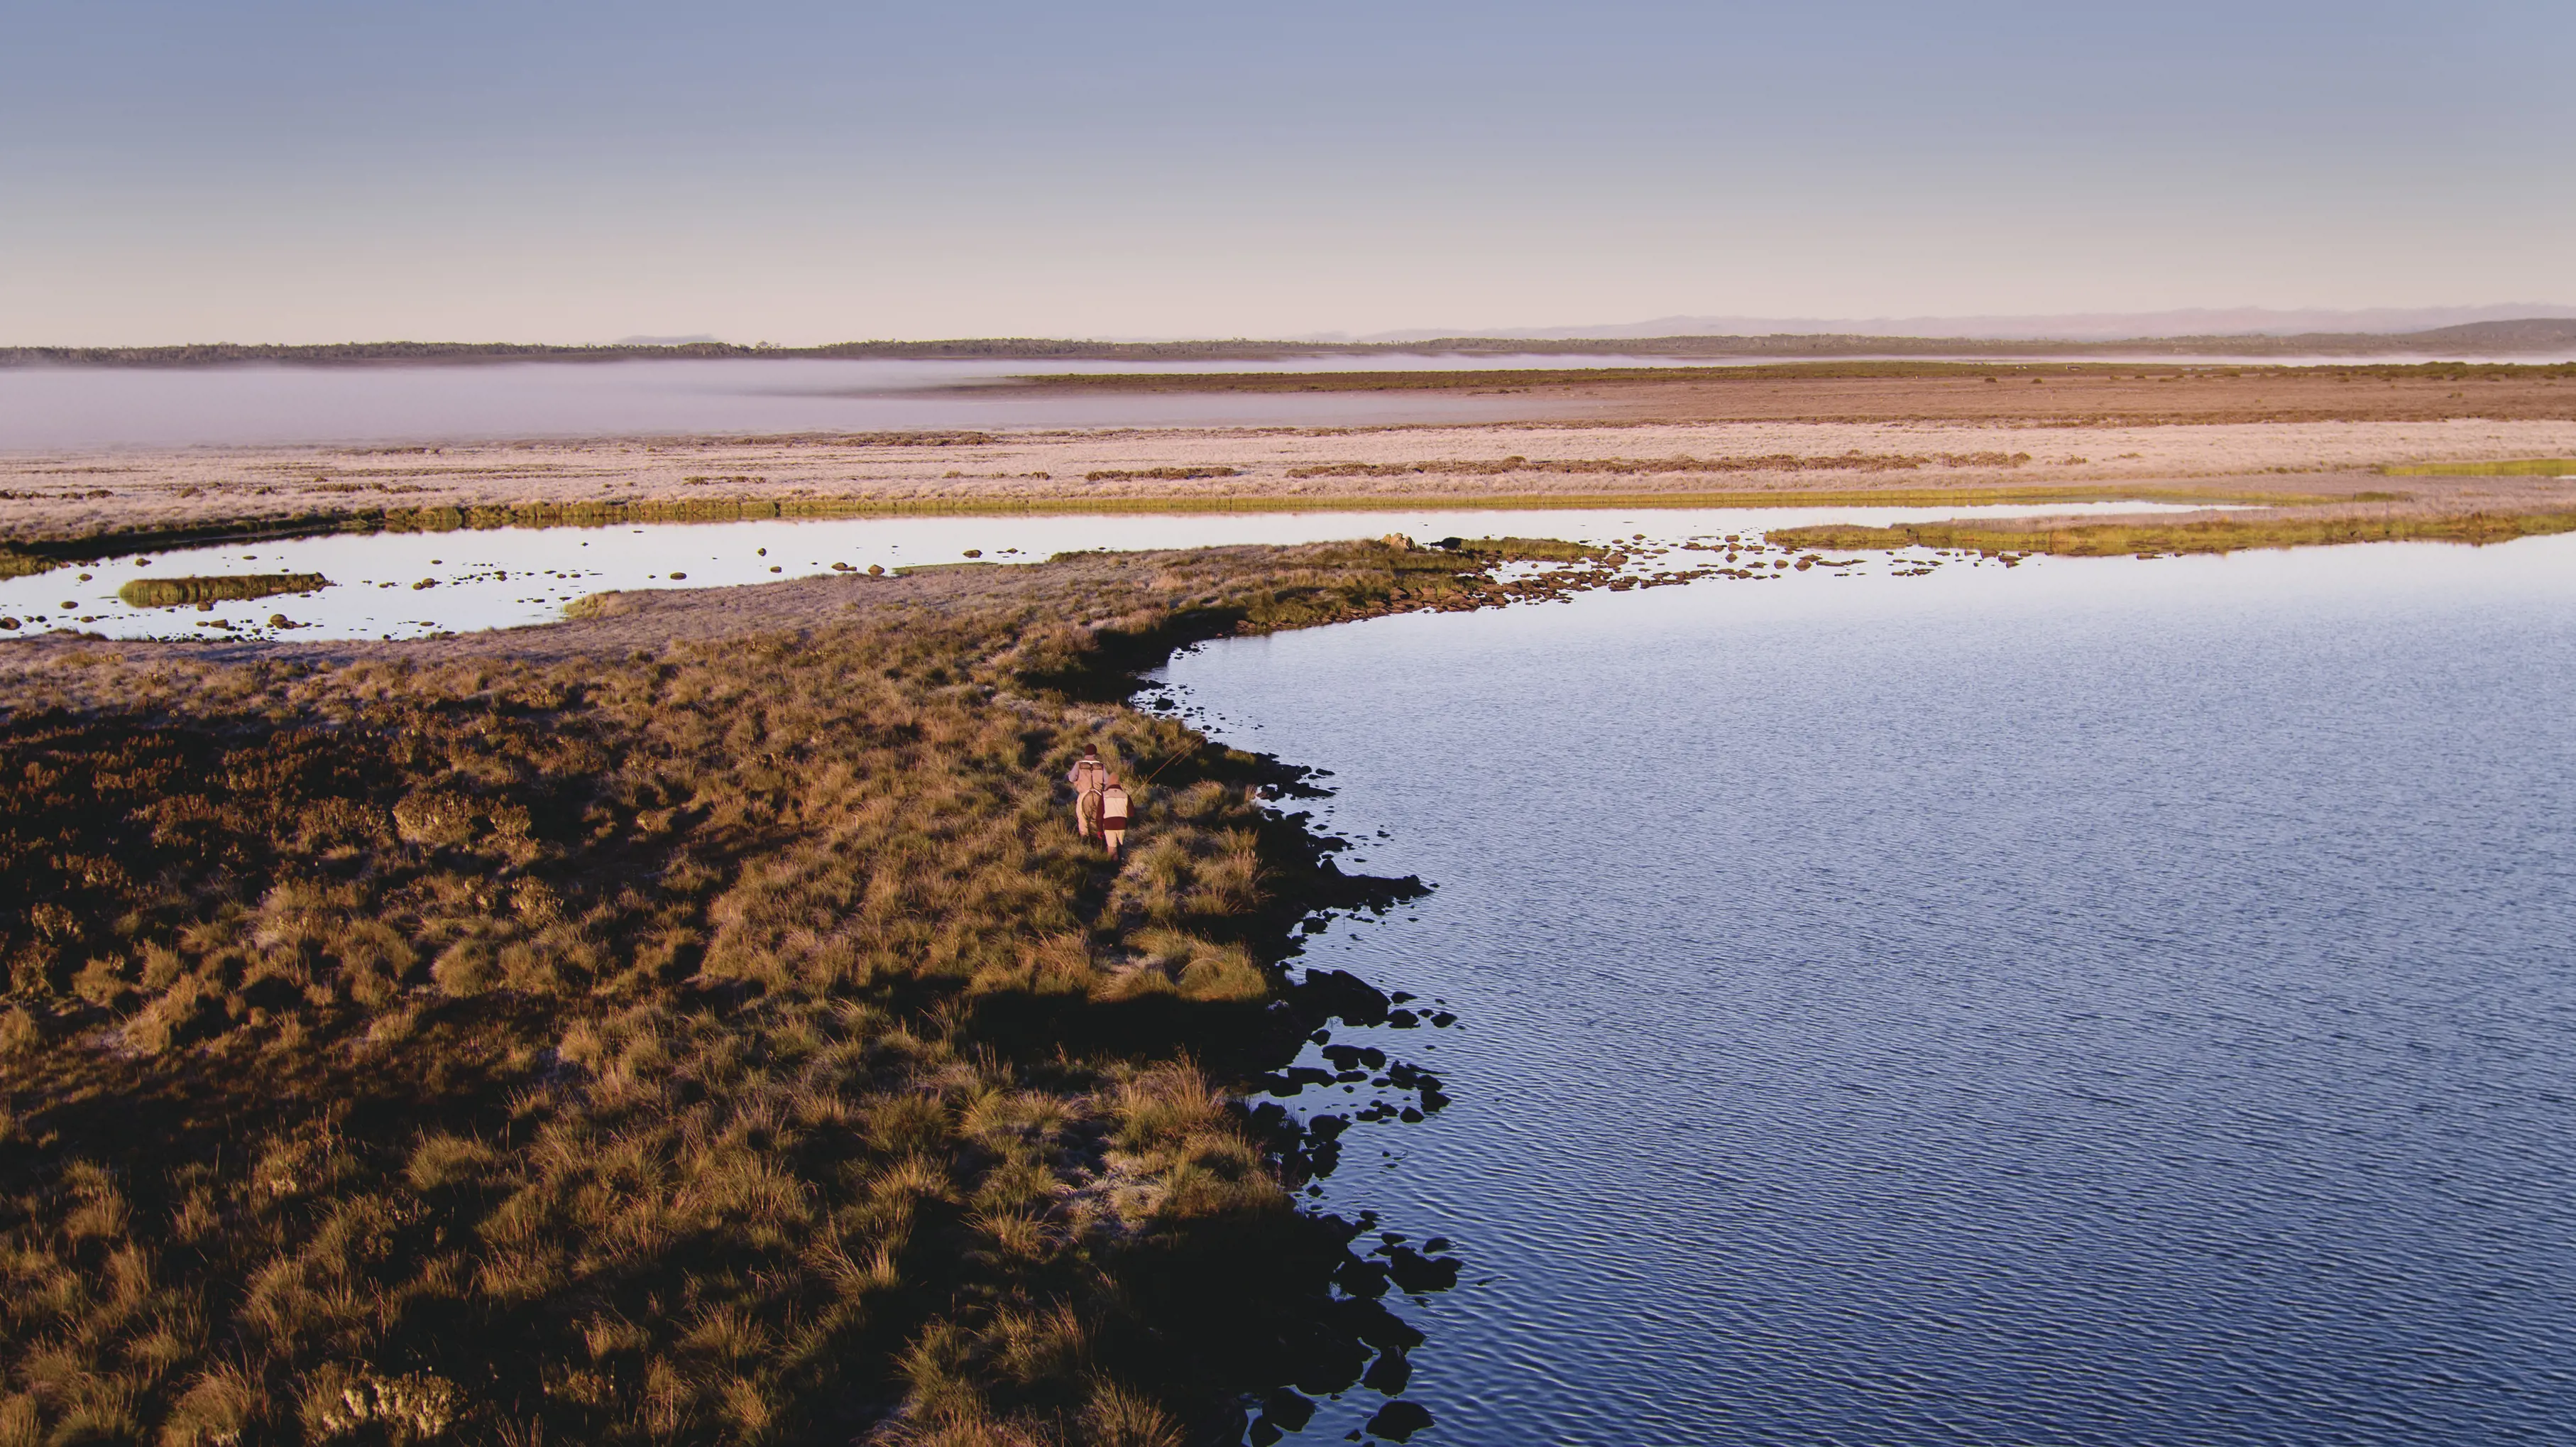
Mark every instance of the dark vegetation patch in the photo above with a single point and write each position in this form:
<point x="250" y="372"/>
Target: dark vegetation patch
<point x="1159" y="474"/>
<point x="1517" y="378"/>
<point x="1853" y="461"/>
<point x="171" y="592"/>
<point x="2224" y="535"/>
<point x="728" y="1042"/>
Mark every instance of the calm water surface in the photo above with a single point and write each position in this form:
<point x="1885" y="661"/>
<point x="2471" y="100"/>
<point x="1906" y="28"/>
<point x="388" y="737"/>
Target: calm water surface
<point x="48" y="408"/>
<point x="65" y="407"/>
<point x="2112" y="1002"/>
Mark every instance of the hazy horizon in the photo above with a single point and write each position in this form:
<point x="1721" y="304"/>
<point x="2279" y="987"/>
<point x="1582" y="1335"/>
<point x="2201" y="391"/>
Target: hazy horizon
<point x="794" y="173"/>
<point x="2064" y="326"/>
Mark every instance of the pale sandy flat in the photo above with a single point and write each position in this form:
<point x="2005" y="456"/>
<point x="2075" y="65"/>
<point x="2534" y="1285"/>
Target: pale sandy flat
<point x="70" y="494"/>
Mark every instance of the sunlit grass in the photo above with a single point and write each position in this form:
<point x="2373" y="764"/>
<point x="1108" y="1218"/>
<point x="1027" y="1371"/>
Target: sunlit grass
<point x="724" y="1042"/>
<point x="2522" y="467"/>
<point x="2219" y="536"/>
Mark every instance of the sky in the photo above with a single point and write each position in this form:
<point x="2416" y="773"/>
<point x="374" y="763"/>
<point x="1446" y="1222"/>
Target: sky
<point x="337" y="170"/>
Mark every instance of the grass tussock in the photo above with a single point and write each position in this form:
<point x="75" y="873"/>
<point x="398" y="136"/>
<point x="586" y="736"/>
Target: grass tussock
<point x="2221" y="536"/>
<point x="171" y="592"/>
<point x="1159" y="474"/>
<point x="730" y="1043"/>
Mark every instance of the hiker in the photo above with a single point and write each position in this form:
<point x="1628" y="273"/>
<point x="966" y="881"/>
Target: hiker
<point x="1113" y="816"/>
<point x="1088" y="778"/>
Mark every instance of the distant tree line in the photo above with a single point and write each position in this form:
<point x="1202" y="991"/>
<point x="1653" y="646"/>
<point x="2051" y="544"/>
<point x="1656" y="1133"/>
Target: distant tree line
<point x="2530" y="335"/>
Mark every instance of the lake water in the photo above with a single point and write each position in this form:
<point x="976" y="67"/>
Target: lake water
<point x="511" y="577"/>
<point x="45" y="408"/>
<point x="2111" y="1002"/>
<point x="57" y="408"/>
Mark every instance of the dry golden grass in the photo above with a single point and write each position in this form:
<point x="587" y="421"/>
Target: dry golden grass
<point x="2222" y="535"/>
<point x="727" y="1043"/>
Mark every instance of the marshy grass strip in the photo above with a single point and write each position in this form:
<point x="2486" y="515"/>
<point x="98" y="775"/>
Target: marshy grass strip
<point x="2224" y="535"/>
<point x="30" y="556"/>
<point x="2520" y="467"/>
<point x="173" y="592"/>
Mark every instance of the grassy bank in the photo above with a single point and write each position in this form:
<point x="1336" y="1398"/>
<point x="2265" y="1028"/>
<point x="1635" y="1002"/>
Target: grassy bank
<point x="2225" y="535"/>
<point x="1518" y="378"/>
<point x="25" y="556"/>
<point x="723" y="1042"/>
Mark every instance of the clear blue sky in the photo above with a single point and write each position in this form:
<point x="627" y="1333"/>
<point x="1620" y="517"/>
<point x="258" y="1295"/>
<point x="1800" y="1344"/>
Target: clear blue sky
<point x="260" y="170"/>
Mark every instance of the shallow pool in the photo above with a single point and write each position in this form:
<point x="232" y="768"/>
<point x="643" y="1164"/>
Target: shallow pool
<point x="413" y="585"/>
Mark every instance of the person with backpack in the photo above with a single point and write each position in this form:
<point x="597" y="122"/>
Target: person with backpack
<point x="1089" y="777"/>
<point x="1113" y="816"/>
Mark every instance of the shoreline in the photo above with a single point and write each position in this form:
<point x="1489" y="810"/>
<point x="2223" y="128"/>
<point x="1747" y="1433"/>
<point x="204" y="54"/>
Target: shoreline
<point x="513" y="901"/>
<point x="1066" y="1088"/>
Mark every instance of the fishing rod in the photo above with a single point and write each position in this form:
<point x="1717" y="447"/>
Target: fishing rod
<point x="1165" y="764"/>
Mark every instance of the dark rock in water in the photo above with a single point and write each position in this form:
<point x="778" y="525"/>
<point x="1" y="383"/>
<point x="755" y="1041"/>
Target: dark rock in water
<point x="1361" y="1278"/>
<point x="1293" y="1080"/>
<point x="1288" y="1410"/>
<point x="1339" y="992"/>
<point x="1415" y="1273"/>
<point x="1398" y="1421"/>
<point x="1388" y="1374"/>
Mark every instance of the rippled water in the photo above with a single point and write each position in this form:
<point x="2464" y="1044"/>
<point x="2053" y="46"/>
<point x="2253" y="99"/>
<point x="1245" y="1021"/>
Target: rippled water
<point x="2110" y="1002"/>
<point x="411" y="585"/>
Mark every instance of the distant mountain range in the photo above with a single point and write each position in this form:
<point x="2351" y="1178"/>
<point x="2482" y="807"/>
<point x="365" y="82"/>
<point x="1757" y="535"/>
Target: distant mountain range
<point x="2070" y="327"/>
<point x="2524" y="336"/>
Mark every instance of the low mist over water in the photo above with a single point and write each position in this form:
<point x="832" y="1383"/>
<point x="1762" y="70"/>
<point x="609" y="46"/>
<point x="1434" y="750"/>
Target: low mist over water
<point x="2116" y="1003"/>
<point x="62" y="407"/>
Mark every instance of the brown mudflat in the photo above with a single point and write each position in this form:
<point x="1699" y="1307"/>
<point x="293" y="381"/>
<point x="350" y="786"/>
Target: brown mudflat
<point x="2085" y="398"/>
